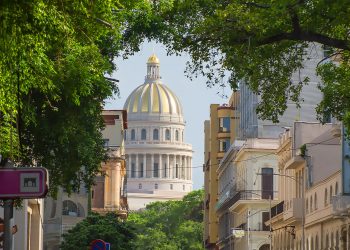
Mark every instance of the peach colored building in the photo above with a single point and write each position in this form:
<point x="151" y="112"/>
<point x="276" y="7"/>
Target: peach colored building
<point x="64" y="212"/>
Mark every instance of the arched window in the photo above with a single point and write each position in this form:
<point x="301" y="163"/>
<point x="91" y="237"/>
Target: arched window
<point x="69" y="208"/>
<point x="325" y="197"/>
<point x="156" y="186"/>
<point x="155" y="134"/>
<point x="132" y="136"/>
<point x="143" y="134"/>
<point x="315" y="200"/>
<point x="176" y="135"/>
<point x="140" y="186"/>
<point x="167" y="134"/>
<point x="336" y="189"/>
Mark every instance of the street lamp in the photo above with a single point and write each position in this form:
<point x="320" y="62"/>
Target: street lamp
<point x="300" y="182"/>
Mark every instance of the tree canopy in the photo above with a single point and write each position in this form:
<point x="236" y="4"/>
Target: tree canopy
<point x="170" y="225"/>
<point x="259" y="42"/>
<point x="106" y="227"/>
<point x="54" y="58"/>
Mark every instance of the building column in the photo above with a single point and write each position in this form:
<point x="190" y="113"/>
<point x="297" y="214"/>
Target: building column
<point x="180" y="167"/>
<point x="190" y="160"/>
<point x="187" y="168"/>
<point x="129" y="171"/>
<point x="137" y="167"/>
<point x="160" y="166"/>
<point x="168" y="165"/>
<point x="144" y="166"/>
<point x="152" y="165"/>
<point x="174" y="167"/>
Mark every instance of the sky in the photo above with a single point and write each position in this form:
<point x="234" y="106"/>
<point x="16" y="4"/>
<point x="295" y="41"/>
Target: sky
<point x="194" y="96"/>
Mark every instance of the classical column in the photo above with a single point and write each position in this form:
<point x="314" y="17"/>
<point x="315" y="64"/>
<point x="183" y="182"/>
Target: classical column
<point x="174" y="167"/>
<point x="180" y="167"/>
<point x="137" y="167"/>
<point x="113" y="189"/>
<point x="152" y="166"/>
<point x="168" y="166"/>
<point x="129" y="171"/>
<point x="190" y="165"/>
<point x="160" y="166"/>
<point x="188" y="168"/>
<point x="144" y="166"/>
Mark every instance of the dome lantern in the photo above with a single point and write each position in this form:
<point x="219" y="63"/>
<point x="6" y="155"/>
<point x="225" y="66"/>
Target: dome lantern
<point x="152" y="69"/>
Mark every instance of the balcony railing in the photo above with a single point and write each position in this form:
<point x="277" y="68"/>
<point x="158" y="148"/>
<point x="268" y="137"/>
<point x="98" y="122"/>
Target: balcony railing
<point x="235" y="196"/>
<point x="276" y="210"/>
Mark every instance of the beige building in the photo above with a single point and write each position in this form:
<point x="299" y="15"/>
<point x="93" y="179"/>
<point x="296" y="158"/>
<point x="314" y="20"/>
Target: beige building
<point x="64" y="212"/>
<point x="256" y="190"/>
<point x="219" y="134"/>
<point x="312" y="213"/>
<point x="28" y="219"/>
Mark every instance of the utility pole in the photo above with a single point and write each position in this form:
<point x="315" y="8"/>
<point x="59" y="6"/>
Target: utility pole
<point x="8" y="214"/>
<point x="270" y="223"/>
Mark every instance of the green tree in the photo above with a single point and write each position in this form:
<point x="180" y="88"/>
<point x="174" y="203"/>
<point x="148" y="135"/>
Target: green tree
<point x="106" y="227"/>
<point x="171" y="224"/>
<point x="261" y="43"/>
<point x="54" y="59"/>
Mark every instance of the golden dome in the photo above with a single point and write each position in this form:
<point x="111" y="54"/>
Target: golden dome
<point x="153" y="98"/>
<point x="153" y="59"/>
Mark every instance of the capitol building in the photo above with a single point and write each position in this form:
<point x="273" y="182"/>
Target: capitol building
<point x="159" y="162"/>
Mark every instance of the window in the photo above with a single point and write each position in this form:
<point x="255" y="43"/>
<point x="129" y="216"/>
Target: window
<point x="315" y="200"/>
<point x="125" y="135"/>
<point x="176" y="135"/>
<point x="69" y="208"/>
<point x="165" y="170"/>
<point x="183" y="187"/>
<point x="325" y="197"/>
<point x="117" y="117"/>
<point x="155" y="170"/>
<point x="167" y="135"/>
<point x="105" y="142"/>
<point x="224" y="124"/>
<point x="140" y="186"/>
<point x="132" y="136"/>
<point x="141" y="170"/>
<point x="267" y="183"/>
<point x="307" y="206"/>
<point x="143" y="134"/>
<point x="155" y="134"/>
<point x="311" y="204"/>
<point x="133" y="170"/>
<point x="224" y="145"/>
<point x="171" y="187"/>
<point x="330" y="194"/>
<point x="156" y="186"/>
<point x="336" y="189"/>
<point x="182" y="136"/>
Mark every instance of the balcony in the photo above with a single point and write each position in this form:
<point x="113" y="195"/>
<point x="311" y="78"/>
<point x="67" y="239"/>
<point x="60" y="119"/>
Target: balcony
<point x="293" y="209"/>
<point x="340" y="205"/>
<point x="250" y="196"/>
<point x="276" y="210"/>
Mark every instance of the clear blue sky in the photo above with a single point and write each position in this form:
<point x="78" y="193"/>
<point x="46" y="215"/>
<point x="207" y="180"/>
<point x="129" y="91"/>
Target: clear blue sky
<point x="194" y="95"/>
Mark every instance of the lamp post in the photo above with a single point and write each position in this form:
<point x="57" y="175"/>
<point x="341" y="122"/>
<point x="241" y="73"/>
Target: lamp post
<point x="300" y="182"/>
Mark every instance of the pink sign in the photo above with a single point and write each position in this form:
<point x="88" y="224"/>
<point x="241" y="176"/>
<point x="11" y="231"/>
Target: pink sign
<point x="23" y="183"/>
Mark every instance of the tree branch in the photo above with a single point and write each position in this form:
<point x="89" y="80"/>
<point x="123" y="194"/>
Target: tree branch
<point x="307" y="36"/>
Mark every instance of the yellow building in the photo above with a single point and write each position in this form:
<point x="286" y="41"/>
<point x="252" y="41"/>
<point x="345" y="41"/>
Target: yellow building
<point x="218" y="133"/>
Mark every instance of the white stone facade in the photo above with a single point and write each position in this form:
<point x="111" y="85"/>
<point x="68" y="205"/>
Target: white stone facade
<point x="159" y="162"/>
